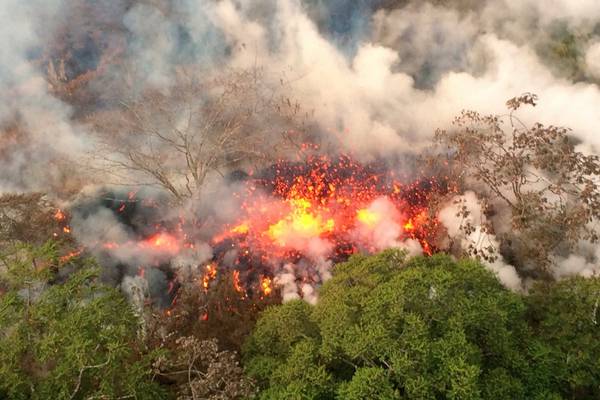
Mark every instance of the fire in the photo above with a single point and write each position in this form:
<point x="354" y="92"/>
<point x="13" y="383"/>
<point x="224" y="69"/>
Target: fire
<point x="236" y="282"/>
<point x="368" y="217"/>
<point x="328" y="200"/>
<point x="265" y="285"/>
<point x="298" y="213"/>
<point x="322" y="209"/>
<point x="299" y="223"/>
<point x="71" y="255"/>
<point x="59" y="215"/>
<point x="209" y="275"/>
<point x="162" y="241"/>
<point x="241" y="228"/>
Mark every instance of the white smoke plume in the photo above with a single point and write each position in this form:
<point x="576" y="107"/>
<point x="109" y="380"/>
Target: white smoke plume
<point x="29" y="155"/>
<point x="382" y="230"/>
<point x="479" y="241"/>
<point x="377" y="85"/>
<point x="409" y="70"/>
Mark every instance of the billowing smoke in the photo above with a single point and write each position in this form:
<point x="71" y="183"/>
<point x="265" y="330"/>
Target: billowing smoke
<point x="373" y="79"/>
<point x="478" y="240"/>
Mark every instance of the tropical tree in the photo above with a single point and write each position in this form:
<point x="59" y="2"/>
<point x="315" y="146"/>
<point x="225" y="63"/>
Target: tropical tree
<point x="65" y="335"/>
<point x="565" y="320"/>
<point x="387" y="327"/>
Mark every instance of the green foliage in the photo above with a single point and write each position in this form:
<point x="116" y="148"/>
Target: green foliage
<point x="566" y="317"/>
<point x="428" y="328"/>
<point x="67" y="337"/>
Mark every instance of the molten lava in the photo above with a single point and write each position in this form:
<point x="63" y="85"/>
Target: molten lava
<point x="290" y="217"/>
<point x="163" y="241"/>
<point x="327" y="201"/>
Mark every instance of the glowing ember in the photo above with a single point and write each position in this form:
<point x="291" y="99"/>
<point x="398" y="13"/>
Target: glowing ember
<point x="59" y="215"/>
<point x="71" y="255"/>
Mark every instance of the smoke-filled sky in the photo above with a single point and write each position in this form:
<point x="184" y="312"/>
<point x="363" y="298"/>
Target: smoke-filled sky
<point x="378" y="76"/>
<point x="382" y="74"/>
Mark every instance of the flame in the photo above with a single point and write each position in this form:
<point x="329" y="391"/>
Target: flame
<point x="265" y="285"/>
<point x="209" y="275"/>
<point x="284" y="209"/>
<point x="241" y="228"/>
<point x="326" y="199"/>
<point x="236" y="282"/>
<point x="299" y="223"/>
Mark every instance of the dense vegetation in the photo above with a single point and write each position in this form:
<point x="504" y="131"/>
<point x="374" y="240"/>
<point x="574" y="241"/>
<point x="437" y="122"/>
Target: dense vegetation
<point x="67" y="337"/>
<point x="385" y="327"/>
<point x="429" y="328"/>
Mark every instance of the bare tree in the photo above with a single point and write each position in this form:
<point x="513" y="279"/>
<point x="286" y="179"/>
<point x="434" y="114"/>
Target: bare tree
<point x="550" y="188"/>
<point x="175" y="138"/>
<point x="202" y="371"/>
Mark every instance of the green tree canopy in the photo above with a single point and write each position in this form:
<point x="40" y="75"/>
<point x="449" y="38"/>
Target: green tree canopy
<point x="66" y="336"/>
<point x="426" y="328"/>
<point x="565" y="317"/>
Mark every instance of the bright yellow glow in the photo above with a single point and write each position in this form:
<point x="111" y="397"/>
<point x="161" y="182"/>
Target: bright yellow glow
<point x="300" y="222"/>
<point x="265" y="285"/>
<point x="241" y="228"/>
<point x="368" y="217"/>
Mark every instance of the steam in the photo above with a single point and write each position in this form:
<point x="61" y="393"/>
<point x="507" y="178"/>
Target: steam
<point x="36" y="129"/>
<point x="376" y="86"/>
<point x="479" y="241"/>
<point x="383" y="231"/>
<point x="410" y="71"/>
